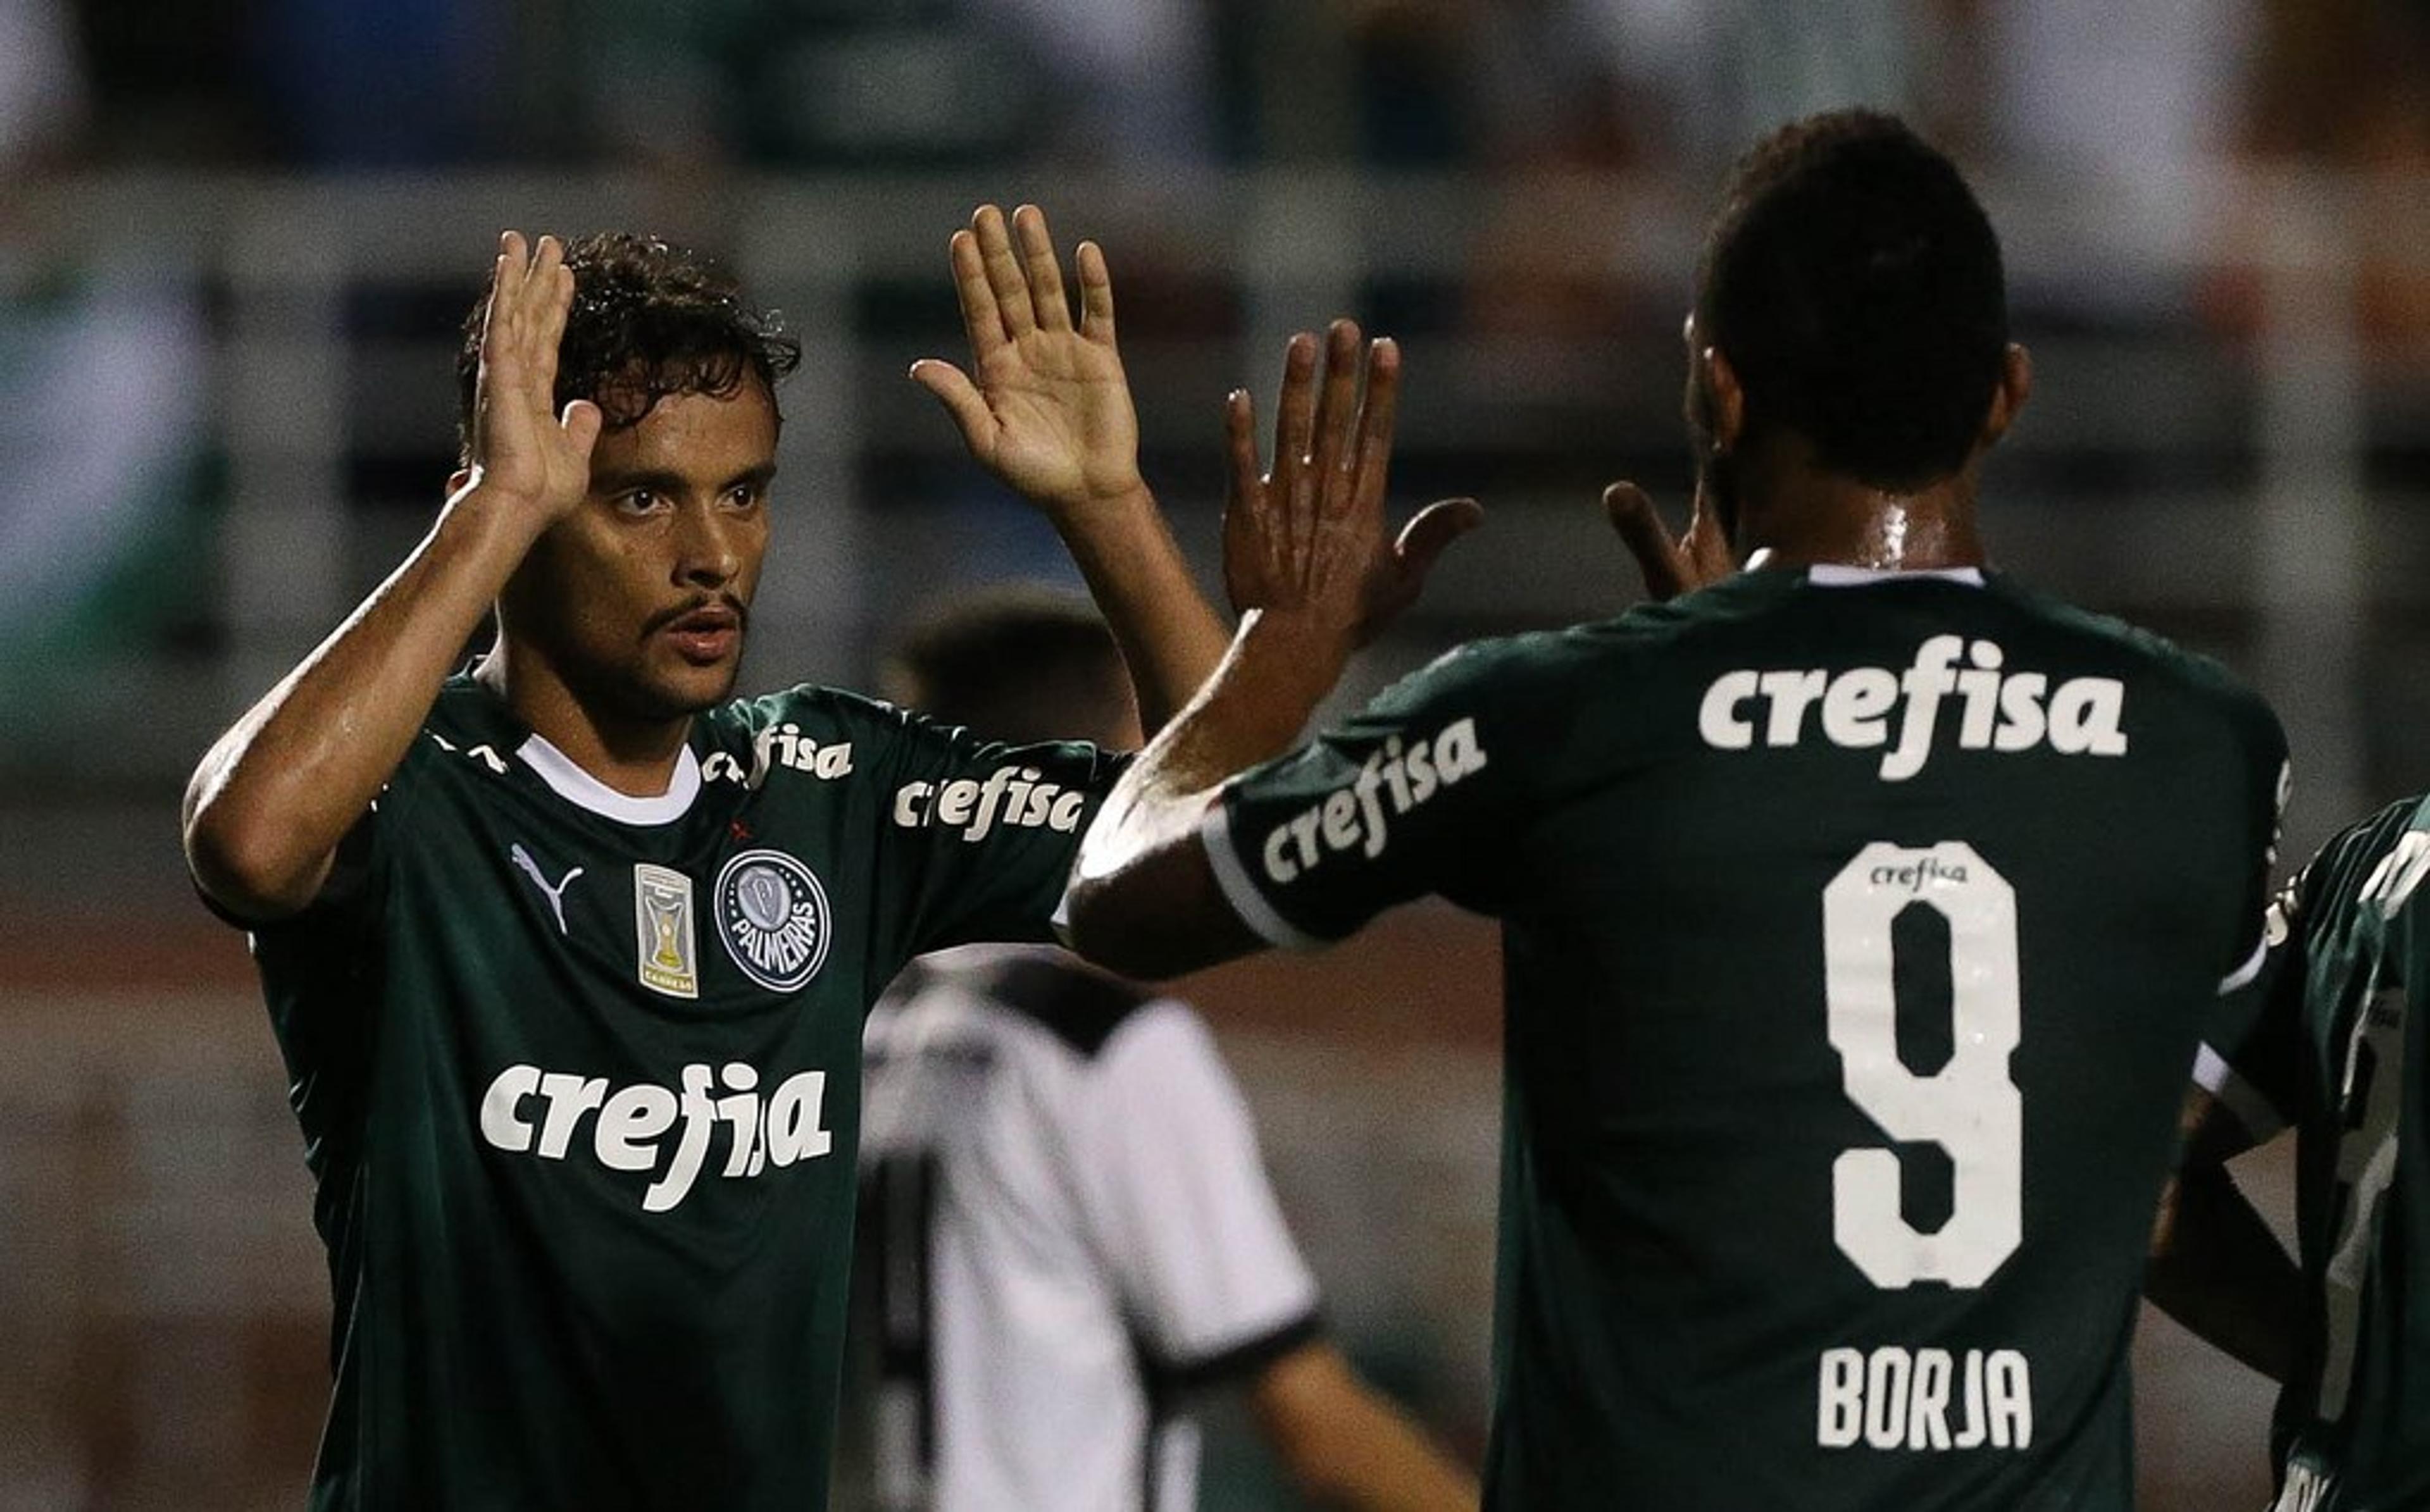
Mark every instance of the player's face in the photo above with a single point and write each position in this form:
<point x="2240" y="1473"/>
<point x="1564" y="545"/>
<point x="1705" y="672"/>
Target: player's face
<point x="639" y="598"/>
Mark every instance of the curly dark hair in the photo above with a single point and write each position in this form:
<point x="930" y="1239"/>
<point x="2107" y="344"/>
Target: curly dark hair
<point x="1855" y="284"/>
<point x="649" y="320"/>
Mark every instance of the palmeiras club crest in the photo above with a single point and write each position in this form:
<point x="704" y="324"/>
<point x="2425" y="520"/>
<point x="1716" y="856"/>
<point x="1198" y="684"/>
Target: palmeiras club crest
<point x="773" y="915"/>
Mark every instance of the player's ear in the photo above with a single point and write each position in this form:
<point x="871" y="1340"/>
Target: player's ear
<point x="457" y="480"/>
<point x="1716" y="382"/>
<point x="2009" y="394"/>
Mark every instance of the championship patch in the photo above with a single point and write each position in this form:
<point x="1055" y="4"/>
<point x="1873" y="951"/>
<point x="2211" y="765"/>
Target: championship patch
<point x="662" y="919"/>
<point x="773" y="915"/>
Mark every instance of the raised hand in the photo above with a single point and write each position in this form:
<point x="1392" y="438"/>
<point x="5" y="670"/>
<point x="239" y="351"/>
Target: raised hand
<point x="1044" y="405"/>
<point x="1696" y="557"/>
<point x="1309" y="536"/>
<point x="522" y="449"/>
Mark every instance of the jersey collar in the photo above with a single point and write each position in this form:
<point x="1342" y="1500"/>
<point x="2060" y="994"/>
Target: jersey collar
<point x="1839" y="574"/>
<point x="583" y="791"/>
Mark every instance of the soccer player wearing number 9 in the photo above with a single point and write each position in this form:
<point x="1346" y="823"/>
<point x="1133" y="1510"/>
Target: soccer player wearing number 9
<point x="1860" y="911"/>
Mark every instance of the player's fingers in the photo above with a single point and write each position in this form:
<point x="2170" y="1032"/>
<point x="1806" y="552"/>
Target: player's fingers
<point x="582" y="423"/>
<point x="505" y="278"/>
<point x="1003" y="271"/>
<point x="1708" y="551"/>
<point x="1295" y="408"/>
<point x="1431" y="530"/>
<point x="1337" y="404"/>
<point x="981" y="322"/>
<point x="1641" y="529"/>
<point x="1240" y="443"/>
<point x="1373" y="459"/>
<point x="961" y="399"/>
<point x="1037" y="250"/>
<point x="1096" y="292"/>
<point x="548" y="255"/>
<point x="555" y="305"/>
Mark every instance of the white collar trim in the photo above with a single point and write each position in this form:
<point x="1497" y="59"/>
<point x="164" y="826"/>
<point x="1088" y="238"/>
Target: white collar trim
<point x="1839" y="574"/>
<point x="583" y="791"/>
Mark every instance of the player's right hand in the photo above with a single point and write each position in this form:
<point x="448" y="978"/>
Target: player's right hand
<point x="1696" y="558"/>
<point x="1308" y="537"/>
<point x="523" y="454"/>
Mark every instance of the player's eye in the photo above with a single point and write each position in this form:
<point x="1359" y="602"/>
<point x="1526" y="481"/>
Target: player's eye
<point x="747" y="496"/>
<point x="640" y="501"/>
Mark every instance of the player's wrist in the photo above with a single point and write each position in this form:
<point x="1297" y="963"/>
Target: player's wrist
<point x="486" y="514"/>
<point x="1096" y="503"/>
<point x="1298" y="650"/>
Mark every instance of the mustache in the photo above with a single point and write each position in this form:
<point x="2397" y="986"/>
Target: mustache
<point x="659" y="620"/>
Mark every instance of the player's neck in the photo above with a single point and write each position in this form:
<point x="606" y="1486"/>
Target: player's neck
<point x="633" y="755"/>
<point x="1802" y="517"/>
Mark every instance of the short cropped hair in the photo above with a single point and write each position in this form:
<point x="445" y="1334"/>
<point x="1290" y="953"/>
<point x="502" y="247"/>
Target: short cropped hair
<point x="1855" y="285"/>
<point x="649" y="320"/>
<point x="1020" y="663"/>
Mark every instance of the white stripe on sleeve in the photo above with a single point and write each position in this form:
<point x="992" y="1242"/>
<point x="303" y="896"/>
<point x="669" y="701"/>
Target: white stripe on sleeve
<point x="1241" y="890"/>
<point x="2213" y="1074"/>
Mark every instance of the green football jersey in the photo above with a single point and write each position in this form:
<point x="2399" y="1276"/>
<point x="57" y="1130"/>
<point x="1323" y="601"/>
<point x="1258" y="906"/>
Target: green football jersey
<point x="2330" y="1051"/>
<point x="1858" y="934"/>
<point x="580" y="1076"/>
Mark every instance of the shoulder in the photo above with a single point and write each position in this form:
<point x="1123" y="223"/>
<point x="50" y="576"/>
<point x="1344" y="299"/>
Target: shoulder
<point x="2345" y="868"/>
<point x="2156" y="654"/>
<point x="1532" y="665"/>
<point x="2195" y="685"/>
<point x="808" y="706"/>
<point x="827" y="731"/>
<point x="1648" y="629"/>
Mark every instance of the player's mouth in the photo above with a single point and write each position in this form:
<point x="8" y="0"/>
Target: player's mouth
<point x="706" y="635"/>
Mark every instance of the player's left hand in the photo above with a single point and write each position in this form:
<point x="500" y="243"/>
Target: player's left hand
<point x="1044" y="405"/>
<point x="1697" y="557"/>
<point x="1309" y="536"/>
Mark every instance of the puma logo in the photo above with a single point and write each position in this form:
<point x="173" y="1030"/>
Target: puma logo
<point x="555" y="895"/>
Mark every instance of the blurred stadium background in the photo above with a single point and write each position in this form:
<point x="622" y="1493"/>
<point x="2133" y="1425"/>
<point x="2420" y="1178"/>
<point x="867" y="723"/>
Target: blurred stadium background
<point x="237" y="237"/>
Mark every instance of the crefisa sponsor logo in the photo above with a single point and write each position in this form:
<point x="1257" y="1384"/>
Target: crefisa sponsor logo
<point x="1394" y="779"/>
<point x="1854" y="709"/>
<point x="1010" y="798"/>
<point x="548" y="1115"/>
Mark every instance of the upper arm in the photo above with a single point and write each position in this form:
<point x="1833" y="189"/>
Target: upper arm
<point x="976" y="838"/>
<point x="1423" y="791"/>
<point x="237" y="865"/>
<point x="1169" y="913"/>
<point x="2247" y="1076"/>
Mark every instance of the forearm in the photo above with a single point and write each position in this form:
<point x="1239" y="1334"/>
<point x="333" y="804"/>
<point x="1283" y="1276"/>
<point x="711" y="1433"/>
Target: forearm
<point x="2216" y="1268"/>
<point x="1348" y="1448"/>
<point x="1143" y="900"/>
<point x="267" y="806"/>
<point x="1171" y="637"/>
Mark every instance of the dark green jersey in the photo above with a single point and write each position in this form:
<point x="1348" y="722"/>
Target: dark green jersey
<point x="2331" y="1052"/>
<point x="1857" y="936"/>
<point x="580" y="1080"/>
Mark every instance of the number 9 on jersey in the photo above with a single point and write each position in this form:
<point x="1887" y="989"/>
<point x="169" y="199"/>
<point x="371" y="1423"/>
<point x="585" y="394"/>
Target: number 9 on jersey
<point x="1970" y="1108"/>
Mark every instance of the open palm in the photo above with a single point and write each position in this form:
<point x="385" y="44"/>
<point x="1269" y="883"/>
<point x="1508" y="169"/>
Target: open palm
<point x="1044" y="405"/>
<point x="521" y="447"/>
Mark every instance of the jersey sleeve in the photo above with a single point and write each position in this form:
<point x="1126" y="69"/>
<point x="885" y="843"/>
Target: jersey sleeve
<point x="2248" y="1060"/>
<point x="1175" y="1201"/>
<point x="977" y="838"/>
<point x="352" y="898"/>
<point x="1421" y="792"/>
